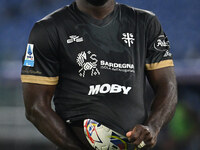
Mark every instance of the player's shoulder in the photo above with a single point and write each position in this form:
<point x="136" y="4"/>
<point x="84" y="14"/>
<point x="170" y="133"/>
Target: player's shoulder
<point x="133" y="11"/>
<point x="49" y="25"/>
<point x="55" y="17"/>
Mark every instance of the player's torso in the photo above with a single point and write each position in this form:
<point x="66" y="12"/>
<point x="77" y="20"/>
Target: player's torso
<point x="102" y="61"/>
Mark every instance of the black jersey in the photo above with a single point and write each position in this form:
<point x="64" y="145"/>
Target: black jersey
<point x="98" y="66"/>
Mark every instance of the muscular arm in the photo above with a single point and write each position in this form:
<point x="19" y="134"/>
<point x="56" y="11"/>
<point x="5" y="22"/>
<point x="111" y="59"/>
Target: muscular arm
<point x="37" y="99"/>
<point x="163" y="82"/>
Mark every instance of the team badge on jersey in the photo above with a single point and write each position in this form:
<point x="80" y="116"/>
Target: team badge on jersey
<point x="128" y="38"/>
<point x="88" y="63"/>
<point x="161" y="43"/>
<point x="29" y="57"/>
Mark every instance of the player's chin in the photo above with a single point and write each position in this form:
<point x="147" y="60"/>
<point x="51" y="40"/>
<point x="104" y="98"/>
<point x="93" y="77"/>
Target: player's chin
<point x="97" y="2"/>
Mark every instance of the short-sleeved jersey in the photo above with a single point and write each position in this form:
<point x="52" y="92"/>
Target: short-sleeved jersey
<point x="98" y="66"/>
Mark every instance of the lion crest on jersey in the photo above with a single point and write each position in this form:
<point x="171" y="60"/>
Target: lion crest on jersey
<point x="87" y="62"/>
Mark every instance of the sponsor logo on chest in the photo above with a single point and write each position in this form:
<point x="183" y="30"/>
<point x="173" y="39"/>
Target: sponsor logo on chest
<point x="119" y="67"/>
<point x="88" y="62"/>
<point x="108" y="88"/>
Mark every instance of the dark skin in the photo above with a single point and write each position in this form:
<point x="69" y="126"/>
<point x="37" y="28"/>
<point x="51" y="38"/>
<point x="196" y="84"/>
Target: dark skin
<point x="37" y="99"/>
<point x="97" y="12"/>
<point x="163" y="82"/>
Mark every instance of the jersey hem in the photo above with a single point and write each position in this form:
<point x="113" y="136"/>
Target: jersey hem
<point x="100" y="120"/>
<point x="39" y="80"/>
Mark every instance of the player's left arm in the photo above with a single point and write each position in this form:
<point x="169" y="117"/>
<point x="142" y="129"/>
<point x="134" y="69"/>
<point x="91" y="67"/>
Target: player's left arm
<point x="163" y="82"/>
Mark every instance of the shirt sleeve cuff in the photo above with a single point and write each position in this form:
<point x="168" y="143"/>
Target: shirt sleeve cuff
<point x="39" y="79"/>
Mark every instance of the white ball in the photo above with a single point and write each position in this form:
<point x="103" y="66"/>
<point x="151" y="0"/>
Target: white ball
<point x="102" y="138"/>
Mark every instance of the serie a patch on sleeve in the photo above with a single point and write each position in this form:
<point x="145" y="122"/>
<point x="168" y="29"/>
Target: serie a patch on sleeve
<point x="29" y="56"/>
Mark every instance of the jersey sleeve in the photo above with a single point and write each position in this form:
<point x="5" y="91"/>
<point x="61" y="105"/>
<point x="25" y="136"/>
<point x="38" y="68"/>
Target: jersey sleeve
<point x="158" y="47"/>
<point x="40" y="62"/>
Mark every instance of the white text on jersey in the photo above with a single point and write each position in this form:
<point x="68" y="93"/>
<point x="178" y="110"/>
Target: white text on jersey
<point x="107" y="88"/>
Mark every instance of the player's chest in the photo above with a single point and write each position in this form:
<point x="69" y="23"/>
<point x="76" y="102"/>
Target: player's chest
<point x="93" y="50"/>
<point x="113" y="42"/>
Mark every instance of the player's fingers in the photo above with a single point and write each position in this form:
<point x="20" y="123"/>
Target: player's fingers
<point x="133" y="135"/>
<point x="150" y="140"/>
<point x="128" y="134"/>
<point x="137" y="131"/>
<point x="144" y="133"/>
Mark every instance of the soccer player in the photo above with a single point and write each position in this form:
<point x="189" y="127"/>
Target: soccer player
<point x="92" y="58"/>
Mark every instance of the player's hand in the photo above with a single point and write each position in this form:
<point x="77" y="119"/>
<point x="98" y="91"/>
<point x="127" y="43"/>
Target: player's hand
<point x="143" y="136"/>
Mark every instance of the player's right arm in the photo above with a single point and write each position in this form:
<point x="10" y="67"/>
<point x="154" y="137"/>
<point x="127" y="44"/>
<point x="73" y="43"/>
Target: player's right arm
<point x="37" y="99"/>
<point x="40" y="75"/>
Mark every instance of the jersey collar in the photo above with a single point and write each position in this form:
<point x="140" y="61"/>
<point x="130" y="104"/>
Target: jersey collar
<point x="90" y="20"/>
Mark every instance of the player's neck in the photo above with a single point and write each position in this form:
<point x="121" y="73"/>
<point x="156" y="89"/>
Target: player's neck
<point x="97" y="12"/>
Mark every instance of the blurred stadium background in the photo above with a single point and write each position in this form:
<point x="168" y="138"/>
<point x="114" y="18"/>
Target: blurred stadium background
<point x="181" y="22"/>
